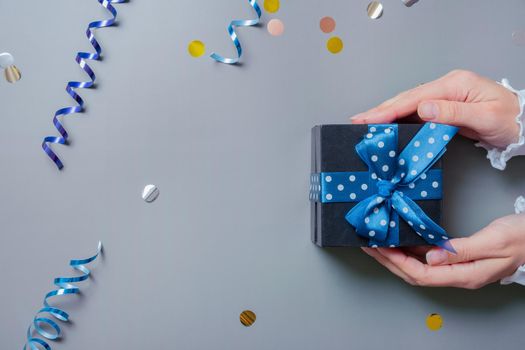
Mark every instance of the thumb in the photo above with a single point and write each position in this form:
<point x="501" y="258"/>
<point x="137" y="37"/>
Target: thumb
<point x="467" y="249"/>
<point x="450" y="113"/>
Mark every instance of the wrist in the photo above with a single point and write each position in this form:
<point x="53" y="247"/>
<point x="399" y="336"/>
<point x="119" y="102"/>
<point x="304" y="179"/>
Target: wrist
<point x="516" y="144"/>
<point x="516" y="110"/>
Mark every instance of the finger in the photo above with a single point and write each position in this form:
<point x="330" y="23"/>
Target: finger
<point x="469" y="115"/>
<point x="478" y="246"/>
<point x="464" y="275"/>
<point x="404" y="104"/>
<point x="471" y="134"/>
<point x="383" y="261"/>
<point x="418" y="250"/>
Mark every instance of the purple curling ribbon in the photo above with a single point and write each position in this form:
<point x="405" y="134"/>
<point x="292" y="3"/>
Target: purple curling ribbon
<point x="72" y="85"/>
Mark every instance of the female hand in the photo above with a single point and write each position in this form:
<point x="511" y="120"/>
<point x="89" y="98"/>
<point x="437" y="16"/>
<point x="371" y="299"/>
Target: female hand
<point x="485" y="110"/>
<point x="485" y="257"/>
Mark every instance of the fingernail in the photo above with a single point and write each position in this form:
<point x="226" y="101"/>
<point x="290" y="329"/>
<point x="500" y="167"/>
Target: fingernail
<point x="436" y="257"/>
<point x="356" y="117"/>
<point x="429" y="110"/>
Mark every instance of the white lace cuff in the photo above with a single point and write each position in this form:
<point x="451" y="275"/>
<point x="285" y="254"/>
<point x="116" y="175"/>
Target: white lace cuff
<point x="519" y="275"/>
<point x="499" y="157"/>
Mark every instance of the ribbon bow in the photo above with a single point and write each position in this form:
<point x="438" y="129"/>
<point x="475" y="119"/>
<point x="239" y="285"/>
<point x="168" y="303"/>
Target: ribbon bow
<point x="375" y="217"/>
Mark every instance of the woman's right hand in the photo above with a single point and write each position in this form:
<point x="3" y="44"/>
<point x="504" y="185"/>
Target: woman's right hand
<point x="484" y="110"/>
<point x="487" y="256"/>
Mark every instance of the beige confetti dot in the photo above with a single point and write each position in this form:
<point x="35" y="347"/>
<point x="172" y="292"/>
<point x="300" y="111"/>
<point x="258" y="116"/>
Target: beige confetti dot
<point x="275" y="27"/>
<point x="327" y="24"/>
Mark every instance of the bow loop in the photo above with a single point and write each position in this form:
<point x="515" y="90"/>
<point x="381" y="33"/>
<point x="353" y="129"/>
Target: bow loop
<point x="379" y="150"/>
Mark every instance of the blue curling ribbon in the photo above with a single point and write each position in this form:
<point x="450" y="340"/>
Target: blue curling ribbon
<point x="388" y="190"/>
<point x="81" y="60"/>
<point x="233" y="35"/>
<point x="65" y="286"/>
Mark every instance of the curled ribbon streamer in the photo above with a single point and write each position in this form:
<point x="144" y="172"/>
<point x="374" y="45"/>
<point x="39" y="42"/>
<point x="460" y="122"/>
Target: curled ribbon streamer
<point x="81" y="60"/>
<point x="233" y="35"/>
<point x="65" y="287"/>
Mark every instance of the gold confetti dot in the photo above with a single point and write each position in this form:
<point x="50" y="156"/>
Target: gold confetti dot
<point x="271" y="6"/>
<point x="434" y="322"/>
<point x="334" y="44"/>
<point x="247" y="318"/>
<point x="196" y="48"/>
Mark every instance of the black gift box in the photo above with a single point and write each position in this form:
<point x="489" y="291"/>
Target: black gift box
<point x="333" y="150"/>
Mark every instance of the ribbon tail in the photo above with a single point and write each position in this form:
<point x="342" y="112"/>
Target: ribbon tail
<point x="356" y="214"/>
<point x="371" y="218"/>
<point x="424" y="226"/>
<point x="392" y="238"/>
<point x="445" y="244"/>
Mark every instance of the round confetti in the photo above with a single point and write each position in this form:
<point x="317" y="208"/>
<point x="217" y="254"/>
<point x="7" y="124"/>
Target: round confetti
<point x="334" y="44"/>
<point x="275" y="27"/>
<point x="518" y="38"/>
<point x="327" y="24"/>
<point x="196" y="48"/>
<point x="434" y="322"/>
<point x="375" y="9"/>
<point x="12" y="74"/>
<point x="150" y="193"/>
<point x="271" y="6"/>
<point x="247" y="318"/>
<point x="409" y="3"/>
<point x="6" y="60"/>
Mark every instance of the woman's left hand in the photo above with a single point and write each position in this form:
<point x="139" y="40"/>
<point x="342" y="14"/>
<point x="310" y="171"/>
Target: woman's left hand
<point x="487" y="256"/>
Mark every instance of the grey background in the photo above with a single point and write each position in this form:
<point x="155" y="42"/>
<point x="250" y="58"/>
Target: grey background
<point x="229" y="149"/>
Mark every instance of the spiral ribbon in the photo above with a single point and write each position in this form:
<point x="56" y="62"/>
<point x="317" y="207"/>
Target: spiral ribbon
<point x="233" y="35"/>
<point x="65" y="286"/>
<point x="392" y="184"/>
<point x="72" y="85"/>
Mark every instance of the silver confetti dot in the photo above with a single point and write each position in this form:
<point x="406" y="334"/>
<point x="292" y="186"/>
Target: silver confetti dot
<point x="409" y="3"/>
<point x="6" y="60"/>
<point x="518" y="38"/>
<point x="150" y="193"/>
<point x="375" y="10"/>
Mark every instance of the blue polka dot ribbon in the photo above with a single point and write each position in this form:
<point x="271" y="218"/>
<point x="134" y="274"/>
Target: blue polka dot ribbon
<point x="44" y="325"/>
<point x="72" y="85"/>
<point x="233" y="35"/>
<point x="388" y="190"/>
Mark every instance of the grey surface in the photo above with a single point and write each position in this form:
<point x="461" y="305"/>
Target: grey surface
<point x="228" y="148"/>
